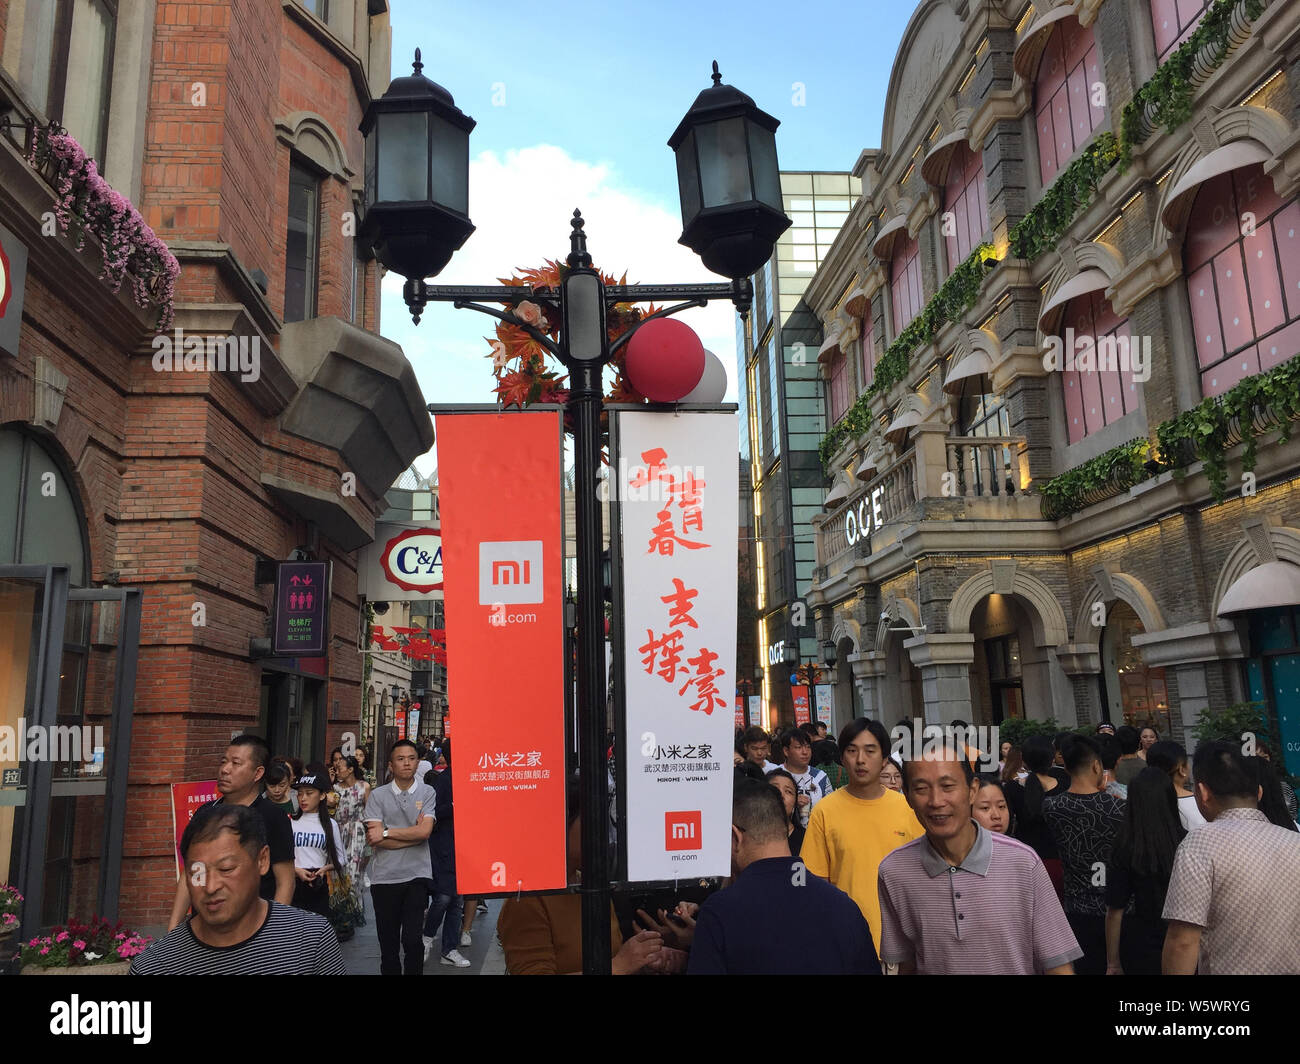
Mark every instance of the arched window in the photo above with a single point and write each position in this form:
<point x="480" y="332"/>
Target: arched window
<point x="1064" y="114"/>
<point x="837" y="386"/>
<point x="40" y="521"/>
<point x="1241" y="257"/>
<point x="1135" y="692"/>
<point x="905" y="281"/>
<point x="868" y="341"/>
<point x="1173" y="22"/>
<point x="967" y="201"/>
<point x="1095" y="397"/>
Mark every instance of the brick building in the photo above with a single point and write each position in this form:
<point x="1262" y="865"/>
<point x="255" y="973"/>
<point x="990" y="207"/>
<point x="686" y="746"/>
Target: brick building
<point x="233" y="127"/>
<point x="1007" y="534"/>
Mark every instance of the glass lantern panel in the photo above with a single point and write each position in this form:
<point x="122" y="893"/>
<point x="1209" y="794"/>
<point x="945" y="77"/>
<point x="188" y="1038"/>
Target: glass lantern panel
<point x="688" y="178"/>
<point x="724" y="162"/>
<point x="450" y="165"/>
<point x="403" y="156"/>
<point x="767" y="174"/>
<point x="371" y="190"/>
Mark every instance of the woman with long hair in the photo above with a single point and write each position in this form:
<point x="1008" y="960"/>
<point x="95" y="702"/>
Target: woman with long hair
<point x="1171" y="759"/>
<point x="1137" y="874"/>
<point x="1147" y="738"/>
<point x="1013" y="769"/>
<point x="353" y="792"/>
<point x="1026" y="802"/>
<point x="317" y="843"/>
<point x="784" y="782"/>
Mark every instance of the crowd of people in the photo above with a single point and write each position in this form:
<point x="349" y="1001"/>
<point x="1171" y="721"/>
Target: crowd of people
<point x="1106" y="853"/>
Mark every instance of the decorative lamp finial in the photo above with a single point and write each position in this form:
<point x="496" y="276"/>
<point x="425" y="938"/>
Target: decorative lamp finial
<point x="417" y="66"/>
<point x="717" y="78"/>
<point x="578" y="257"/>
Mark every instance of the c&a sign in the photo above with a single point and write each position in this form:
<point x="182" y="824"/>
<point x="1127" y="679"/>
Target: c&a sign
<point x="402" y="564"/>
<point x="13" y="279"/>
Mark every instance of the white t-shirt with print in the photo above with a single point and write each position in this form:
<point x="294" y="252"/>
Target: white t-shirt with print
<point x="309" y="842"/>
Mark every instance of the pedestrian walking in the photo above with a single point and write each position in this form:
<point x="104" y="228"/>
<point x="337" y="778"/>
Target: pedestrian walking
<point x="234" y="930"/>
<point x="446" y="906"/>
<point x="353" y="794"/>
<point x="399" y="819"/>
<point x="317" y="844"/>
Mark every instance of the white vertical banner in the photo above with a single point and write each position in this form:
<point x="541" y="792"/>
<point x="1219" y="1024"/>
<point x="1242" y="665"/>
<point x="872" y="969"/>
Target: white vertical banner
<point x="679" y="498"/>
<point x="824" y="705"/>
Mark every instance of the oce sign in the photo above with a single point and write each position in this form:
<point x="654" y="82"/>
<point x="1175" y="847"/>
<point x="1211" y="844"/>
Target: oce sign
<point x="776" y="653"/>
<point x="859" y="522"/>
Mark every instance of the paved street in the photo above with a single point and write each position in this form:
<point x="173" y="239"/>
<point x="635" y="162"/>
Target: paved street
<point x="361" y="952"/>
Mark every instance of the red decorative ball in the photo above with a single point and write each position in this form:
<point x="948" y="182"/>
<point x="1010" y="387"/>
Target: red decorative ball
<point x="665" y="360"/>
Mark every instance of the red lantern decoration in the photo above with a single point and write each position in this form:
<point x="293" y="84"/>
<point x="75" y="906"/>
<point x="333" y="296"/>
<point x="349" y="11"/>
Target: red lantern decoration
<point x="665" y="360"/>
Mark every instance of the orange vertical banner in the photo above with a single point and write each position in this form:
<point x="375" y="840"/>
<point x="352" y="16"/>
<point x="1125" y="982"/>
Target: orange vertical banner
<point x="800" y="695"/>
<point x="501" y="500"/>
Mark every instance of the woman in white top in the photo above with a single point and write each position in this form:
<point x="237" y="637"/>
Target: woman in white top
<point x="1170" y="757"/>
<point x="317" y="843"/>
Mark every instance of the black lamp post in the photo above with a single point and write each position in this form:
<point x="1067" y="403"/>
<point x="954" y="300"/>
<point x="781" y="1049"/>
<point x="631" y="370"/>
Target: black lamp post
<point x="732" y="216"/>
<point x="828" y="653"/>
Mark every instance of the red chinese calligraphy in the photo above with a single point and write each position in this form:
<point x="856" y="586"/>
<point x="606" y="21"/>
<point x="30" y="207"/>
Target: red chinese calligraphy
<point x="667" y="648"/>
<point x="704" y="682"/>
<point x="679" y="604"/>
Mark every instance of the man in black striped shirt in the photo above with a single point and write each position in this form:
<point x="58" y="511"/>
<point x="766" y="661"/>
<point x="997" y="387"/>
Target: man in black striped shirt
<point x="234" y="931"/>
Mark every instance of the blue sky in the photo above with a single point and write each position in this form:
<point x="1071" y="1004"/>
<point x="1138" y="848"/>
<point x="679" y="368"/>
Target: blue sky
<point x="575" y="103"/>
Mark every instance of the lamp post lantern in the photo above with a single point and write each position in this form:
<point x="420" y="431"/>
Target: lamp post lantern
<point x="415" y="221"/>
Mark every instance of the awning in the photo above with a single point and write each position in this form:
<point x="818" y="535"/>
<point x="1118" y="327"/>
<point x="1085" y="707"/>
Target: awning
<point x="1220" y="161"/>
<point x="831" y="346"/>
<point x="897" y="429"/>
<point x="837" y="494"/>
<point x="1032" y="42"/>
<point x="884" y="242"/>
<point x="1265" y="587"/>
<point x="934" y="167"/>
<point x="1081" y="284"/>
<point x="856" y="302"/>
<point x="972" y="372"/>
<point x="873" y="460"/>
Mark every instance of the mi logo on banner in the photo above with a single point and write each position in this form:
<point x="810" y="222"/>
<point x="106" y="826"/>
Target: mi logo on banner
<point x="510" y="572"/>
<point x="682" y="831"/>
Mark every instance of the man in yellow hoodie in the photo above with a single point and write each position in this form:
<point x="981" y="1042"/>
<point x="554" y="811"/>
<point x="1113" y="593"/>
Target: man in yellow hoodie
<point x="852" y="829"/>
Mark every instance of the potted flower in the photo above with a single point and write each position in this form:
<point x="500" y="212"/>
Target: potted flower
<point x="11" y="904"/>
<point x="96" y="948"/>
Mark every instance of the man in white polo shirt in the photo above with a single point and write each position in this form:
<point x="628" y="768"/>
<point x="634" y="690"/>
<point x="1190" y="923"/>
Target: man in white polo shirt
<point x="399" y="819"/>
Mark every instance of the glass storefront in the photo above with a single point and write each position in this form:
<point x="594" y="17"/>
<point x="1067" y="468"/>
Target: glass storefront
<point x="1134" y="693"/>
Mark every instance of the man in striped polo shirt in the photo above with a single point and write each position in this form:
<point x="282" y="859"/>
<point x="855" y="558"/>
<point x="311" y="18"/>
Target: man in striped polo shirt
<point x="234" y="931"/>
<point x="962" y="900"/>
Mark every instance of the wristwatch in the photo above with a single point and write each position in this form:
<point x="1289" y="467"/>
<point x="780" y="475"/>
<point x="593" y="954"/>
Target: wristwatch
<point x="385" y="833"/>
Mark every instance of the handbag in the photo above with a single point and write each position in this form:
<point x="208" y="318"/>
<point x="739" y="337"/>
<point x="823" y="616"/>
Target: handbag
<point x="343" y="914"/>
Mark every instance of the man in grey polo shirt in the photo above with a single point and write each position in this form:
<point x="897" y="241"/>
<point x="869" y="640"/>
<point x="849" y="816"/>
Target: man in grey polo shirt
<point x="399" y="820"/>
<point x="1232" y="903"/>
<point x="962" y="900"/>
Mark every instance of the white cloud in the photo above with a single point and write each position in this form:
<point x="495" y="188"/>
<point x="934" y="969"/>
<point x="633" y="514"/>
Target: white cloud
<point x="522" y="204"/>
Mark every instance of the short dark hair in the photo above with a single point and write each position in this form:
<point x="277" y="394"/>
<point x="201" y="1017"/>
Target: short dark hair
<point x="754" y="734"/>
<point x="1223" y="771"/>
<point x="211" y="820"/>
<point x="1061" y="740"/>
<point x="1129" y="739"/>
<point x="276" y="773"/>
<point x="850" y="732"/>
<point x="759" y="811"/>
<point x="1166" y="755"/>
<point x="1079" y="754"/>
<point x="260" y="752"/>
<point x="402" y="742"/>
<point x="795" y="735"/>
<point x="1108" y="747"/>
<point x="747" y="770"/>
<point x="1037" y="752"/>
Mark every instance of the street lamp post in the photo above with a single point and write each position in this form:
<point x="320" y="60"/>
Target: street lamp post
<point x="417" y="217"/>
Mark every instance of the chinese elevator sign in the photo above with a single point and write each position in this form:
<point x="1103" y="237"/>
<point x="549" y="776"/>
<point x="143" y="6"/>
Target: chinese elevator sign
<point x="500" y="478"/>
<point x="678" y="500"/>
<point x="13" y="276"/>
<point x="302" y="598"/>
